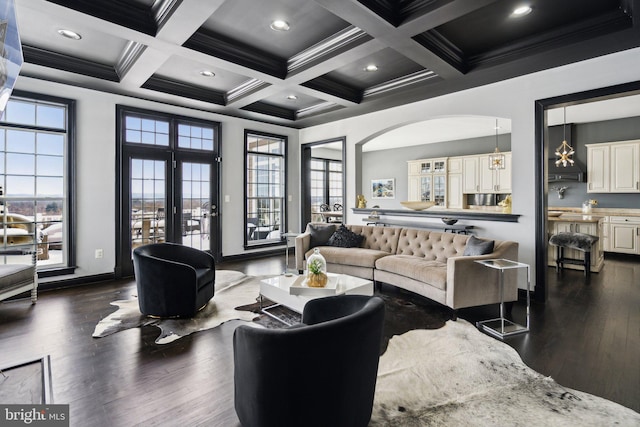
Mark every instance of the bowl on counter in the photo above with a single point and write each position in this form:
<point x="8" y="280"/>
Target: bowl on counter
<point x="418" y="205"/>
<point x="449" y="221"/>
<point x="554" y="213"/>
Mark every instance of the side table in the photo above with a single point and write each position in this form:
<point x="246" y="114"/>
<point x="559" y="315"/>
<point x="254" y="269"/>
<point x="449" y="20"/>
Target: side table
<point x="502" y="327"/>
<point x="286" y="237"/>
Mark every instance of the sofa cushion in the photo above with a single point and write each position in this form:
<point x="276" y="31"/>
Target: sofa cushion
<point x="477" y="246"/>
<point x="349" y="256"/>
<point x="320" y="233"/>
<point x="431" y="272"/>
<point x="345" y="238"/>
<point x="378" y="237"/>
<point x="14" y="275"/>
<point x="431" y="245"/>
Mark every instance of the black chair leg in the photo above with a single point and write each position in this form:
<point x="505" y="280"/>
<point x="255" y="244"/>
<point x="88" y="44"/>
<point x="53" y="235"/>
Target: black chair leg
<point x="587" y="263"/>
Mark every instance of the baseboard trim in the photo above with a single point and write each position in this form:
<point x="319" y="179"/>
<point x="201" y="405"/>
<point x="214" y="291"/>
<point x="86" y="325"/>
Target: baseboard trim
<point x="256" y="255"/>
<point x="75" y="281"/>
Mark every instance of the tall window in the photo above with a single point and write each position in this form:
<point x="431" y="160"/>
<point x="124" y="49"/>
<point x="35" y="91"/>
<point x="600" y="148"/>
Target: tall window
<point x="326" y="185"/>
<point x="265" y="188"/>
<point x="35" y="165"/>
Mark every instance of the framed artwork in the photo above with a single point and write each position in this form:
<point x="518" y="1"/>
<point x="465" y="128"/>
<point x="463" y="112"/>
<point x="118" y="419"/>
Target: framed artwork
<point x="384" y="188"/>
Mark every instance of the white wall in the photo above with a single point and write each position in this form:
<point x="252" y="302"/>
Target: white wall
<point x="513" y="99"/>
<point x="96" y="168"/>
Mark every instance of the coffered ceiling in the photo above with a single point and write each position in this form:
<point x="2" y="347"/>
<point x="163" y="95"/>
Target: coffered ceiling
<point x="314" y="72"/>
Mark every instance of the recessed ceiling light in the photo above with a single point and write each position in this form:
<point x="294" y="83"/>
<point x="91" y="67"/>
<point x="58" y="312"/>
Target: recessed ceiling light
<point x="69" y="34"/>
<point x="280" y="25"/>
<point x="521" y="11"/>
<point x="207" y="73"/>
<point x="371" y="67"/>
<point x="292" y="97"/>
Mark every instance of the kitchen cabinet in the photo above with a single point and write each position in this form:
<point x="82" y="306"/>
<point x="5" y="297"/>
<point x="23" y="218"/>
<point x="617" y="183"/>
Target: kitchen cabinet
<point x="624" y="234"/>
<point x="613" y="167"/>
<point x="625" y="168"/>
<point x="590" y="225"/>
<point x="478" y="178"/>
<point x="470" y="165"/>
<point x="606" y="233"/>
<point x="454" y="183"/>
<point x="598" y="168"/>
<point x="428" y="180"/>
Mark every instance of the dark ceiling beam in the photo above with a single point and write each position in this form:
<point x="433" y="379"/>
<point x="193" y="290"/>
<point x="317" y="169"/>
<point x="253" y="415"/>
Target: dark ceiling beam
<point x="186" y="90"/>
<point x="126" y="13"/>
<point x="60" y="61"/>
<point x="441" y="13"/>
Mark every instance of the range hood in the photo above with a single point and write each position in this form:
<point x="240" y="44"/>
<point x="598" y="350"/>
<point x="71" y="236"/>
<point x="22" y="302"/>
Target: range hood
<point x="574" y="172"/>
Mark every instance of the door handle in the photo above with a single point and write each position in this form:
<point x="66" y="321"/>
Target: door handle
<point x="213" y="210"/>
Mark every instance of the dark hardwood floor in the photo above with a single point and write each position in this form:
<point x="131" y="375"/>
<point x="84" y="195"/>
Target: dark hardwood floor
<point x="587" y="337"/>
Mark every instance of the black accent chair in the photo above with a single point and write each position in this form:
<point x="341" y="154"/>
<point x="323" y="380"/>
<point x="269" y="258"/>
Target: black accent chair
<point x="173" y="280"/>
<point x="319" y="373"/>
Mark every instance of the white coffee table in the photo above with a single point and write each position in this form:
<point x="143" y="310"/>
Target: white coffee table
<point x="276" y="289"/>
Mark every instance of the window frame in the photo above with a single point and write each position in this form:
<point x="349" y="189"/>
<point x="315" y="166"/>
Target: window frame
<point x="284" y="199"/>
<point x="69" y="179"/>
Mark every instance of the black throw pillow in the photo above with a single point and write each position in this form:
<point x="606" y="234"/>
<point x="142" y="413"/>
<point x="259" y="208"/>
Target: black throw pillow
<point x="345" y="238"/>
<point x="477" y="246"/>
<point x="320" y="234"/>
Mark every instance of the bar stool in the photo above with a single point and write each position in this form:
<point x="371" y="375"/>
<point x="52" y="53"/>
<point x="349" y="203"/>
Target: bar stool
<point x="578" y="241"/>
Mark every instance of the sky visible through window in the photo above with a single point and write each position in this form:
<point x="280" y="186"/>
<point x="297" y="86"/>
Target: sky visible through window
<point x="32" y="159"/>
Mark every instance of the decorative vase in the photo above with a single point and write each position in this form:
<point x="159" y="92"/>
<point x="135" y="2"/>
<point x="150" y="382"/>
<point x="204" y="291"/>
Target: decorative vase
<point x="317" y="270"/>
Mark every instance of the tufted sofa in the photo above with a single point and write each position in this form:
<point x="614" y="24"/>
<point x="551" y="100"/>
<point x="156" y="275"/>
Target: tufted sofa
<point x="428" y="263"/>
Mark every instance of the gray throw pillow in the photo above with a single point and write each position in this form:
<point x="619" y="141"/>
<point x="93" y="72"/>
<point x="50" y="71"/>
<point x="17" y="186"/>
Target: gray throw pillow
<point x="477" y="246"/>
<point x="320" y="234"/>
<point x="345" y="238"/>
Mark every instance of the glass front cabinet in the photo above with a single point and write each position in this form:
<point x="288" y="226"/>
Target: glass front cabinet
<point x="428" y="180"/>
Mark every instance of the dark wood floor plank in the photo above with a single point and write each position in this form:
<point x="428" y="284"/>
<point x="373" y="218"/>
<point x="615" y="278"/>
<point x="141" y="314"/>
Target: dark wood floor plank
<point x="587" y="337"/>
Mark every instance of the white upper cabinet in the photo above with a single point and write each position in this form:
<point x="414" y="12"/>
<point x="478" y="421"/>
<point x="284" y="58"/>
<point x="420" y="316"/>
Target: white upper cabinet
<point x="598" y="168"/>
<point x="613" y="167"/>
<point x="470" y="167"/>
<point x="625" y="168"/>
<point x="478" y="178"/>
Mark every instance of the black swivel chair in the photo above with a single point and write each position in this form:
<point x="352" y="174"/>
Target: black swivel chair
<point x="319" y="373"/>
<point x="173" y="280"/>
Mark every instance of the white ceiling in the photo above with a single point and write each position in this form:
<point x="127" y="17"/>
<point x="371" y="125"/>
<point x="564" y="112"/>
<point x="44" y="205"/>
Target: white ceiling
<point x="465" y="127"/>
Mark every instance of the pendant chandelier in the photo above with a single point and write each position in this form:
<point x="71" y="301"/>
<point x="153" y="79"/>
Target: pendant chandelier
<point x="496" y="159"/>
<point x="564" y="151"/>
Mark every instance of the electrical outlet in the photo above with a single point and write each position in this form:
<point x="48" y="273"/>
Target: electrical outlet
<point x="99" y="253"/>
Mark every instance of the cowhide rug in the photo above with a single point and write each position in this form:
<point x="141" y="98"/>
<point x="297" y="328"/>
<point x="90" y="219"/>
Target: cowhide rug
<point x="236" y="299"/>
<point x="456" y="376"/>
<point x="232" y="289"/>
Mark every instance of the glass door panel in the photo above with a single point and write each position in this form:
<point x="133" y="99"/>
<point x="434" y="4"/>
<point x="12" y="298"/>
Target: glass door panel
<point x="147" y="201"/>
<point x="425" y="187"/>
<point x="439" y="189"/>
<point x="196" y="207"/>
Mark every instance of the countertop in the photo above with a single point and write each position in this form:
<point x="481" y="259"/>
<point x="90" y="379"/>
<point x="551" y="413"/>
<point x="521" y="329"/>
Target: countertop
<point x="596" y="212"/>
<point x="575" y="217"/>
<point x="439" y="212"/>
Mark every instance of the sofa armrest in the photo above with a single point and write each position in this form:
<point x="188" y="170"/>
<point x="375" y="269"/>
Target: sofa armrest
<point x="471" y="284"/>
<point x="303" y="243"/>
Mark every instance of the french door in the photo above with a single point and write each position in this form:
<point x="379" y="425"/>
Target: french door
<point x="168" y="191"/>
